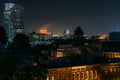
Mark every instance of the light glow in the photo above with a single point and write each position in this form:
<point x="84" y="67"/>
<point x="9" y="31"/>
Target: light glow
<point x="43" y="31"/>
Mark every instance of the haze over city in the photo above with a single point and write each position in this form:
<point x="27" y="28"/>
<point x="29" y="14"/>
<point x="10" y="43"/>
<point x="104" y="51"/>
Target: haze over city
<point x="94" y="16"/>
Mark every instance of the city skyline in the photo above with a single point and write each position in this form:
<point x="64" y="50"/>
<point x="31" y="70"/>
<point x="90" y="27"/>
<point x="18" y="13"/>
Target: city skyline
<point x="43" y="46"/>
<point x="94" y="16"/>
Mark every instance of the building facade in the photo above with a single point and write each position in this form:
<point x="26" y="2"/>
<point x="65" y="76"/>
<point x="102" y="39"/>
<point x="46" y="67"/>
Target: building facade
<point x="13" y="19"/>
<point x="66" y="50"/>
<point x="114" y="35"/>
<point x="114" y="55"/>
<point x="38" y="38"/>
<point x="104" y="71"/>
<point x="87" y="72"/>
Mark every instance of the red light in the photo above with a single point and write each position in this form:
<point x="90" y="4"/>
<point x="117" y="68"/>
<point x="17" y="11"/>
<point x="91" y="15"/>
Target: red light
<point x="43" y="31"/>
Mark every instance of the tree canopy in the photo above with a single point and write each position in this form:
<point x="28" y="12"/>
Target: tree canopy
<point x="78" y="31"/>
<point x="15" y="67"/>
<point x="21" y="40"/>
<point x="78" y="36"/>
<point x="3" y="36"/>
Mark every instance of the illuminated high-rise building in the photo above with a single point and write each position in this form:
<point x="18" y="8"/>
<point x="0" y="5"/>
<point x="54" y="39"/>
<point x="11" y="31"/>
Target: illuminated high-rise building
<point x="13" y="19"/>
<point x="66" y="32"/>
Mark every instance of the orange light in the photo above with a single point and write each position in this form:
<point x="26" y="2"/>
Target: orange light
<point x="102" y="37"/>
<point x="43" y="31"/>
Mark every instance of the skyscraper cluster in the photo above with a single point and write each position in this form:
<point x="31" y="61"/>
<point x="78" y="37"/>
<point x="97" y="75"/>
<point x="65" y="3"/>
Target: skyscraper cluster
<point x="13" y="19"/>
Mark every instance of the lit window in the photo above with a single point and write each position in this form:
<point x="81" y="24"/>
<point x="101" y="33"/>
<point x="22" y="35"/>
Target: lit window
<point x="114" y="69"/>
<point x="87" y="75"/>
<point x="48" y="78"/>
<point x="82" y="75"/>
<point x="78" y="76"/>
<point x="111" y="70"/>
<point x="73" y="76"/>
<point x="91" y="74"/>
<point x="53" y="77"/>
<point x="58" y="77"/>
<point x="95" y="74"/>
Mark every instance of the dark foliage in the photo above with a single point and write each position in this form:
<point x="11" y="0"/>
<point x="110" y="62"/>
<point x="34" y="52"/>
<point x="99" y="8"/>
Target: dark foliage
<point x="21" y="40"/>
<point x="78" y="32"/>
<point x="3" y="36"/>
<point x="20" y="44"/>
<point x="78" y="36"/>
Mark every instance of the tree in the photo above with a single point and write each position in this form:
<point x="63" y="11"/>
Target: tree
<point x="3" y="39"/>
<point x="78" y="31"/>
<point x="31" y="71"/>
<point x="8" y="65"/>
<point x="3" y="36"/>
<point x="78" y="36"/>
<point x="15" y="67"/>
<point x="20" y="44"/>
<point x="21" y="41"/>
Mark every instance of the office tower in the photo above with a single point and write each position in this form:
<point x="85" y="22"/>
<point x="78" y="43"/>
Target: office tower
<point x="66" y="32"/>
<point x="13" y="19"/>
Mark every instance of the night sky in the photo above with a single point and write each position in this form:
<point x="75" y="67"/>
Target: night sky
<point x="94" y="16"/>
